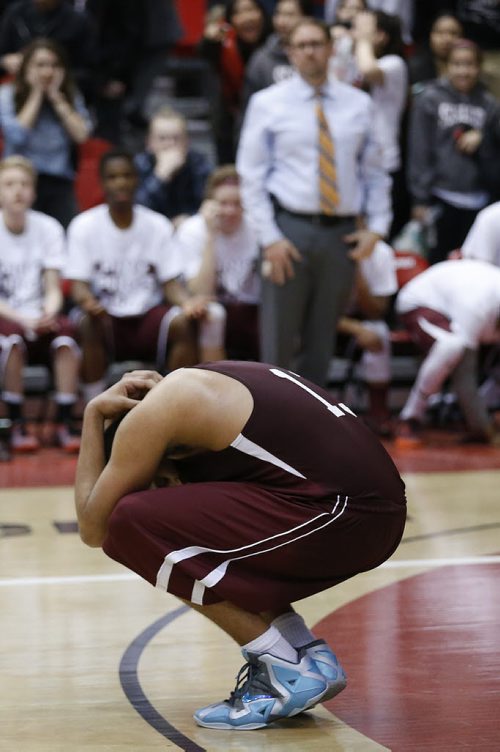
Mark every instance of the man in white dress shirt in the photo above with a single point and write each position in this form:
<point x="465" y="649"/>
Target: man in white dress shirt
<point x="309" y="255"/>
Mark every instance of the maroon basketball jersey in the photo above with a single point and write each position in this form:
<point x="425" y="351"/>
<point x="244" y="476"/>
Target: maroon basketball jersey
<point x="298" y="442"/>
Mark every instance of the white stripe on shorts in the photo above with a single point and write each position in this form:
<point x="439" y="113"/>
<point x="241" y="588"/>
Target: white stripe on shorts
<point x="217" y="574"/>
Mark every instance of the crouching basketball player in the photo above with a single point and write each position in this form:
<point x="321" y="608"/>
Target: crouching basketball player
<point x="274" y="494"/>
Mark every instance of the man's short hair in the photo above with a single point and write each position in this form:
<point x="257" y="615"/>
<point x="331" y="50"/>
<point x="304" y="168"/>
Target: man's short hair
<point x="305" y="6"/>
<point x="20" y="163"/>
<point x="224" y="175"/>
<point x="317" y="23"/>
<point x="117" y="153"/>
<point x="165" y="112"/>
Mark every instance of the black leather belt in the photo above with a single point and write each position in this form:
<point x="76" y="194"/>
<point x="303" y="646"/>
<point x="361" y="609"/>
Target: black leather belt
<point x="326" y="220"/>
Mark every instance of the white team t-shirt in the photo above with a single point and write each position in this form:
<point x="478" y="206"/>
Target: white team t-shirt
<point x="24" y="258"/>
<point x="379" y="270"/>
<point x="389" y="99"/>
<point x="125" y="268"/>
<point x="483" y="239"/>
<point x="466" y="291"/>
<point x="236" y="258"/>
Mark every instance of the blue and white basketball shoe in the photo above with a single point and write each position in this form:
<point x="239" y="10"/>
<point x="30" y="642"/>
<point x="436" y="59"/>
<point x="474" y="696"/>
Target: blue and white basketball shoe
<point x="328" y="665"/>
<point x="267" y="689"/>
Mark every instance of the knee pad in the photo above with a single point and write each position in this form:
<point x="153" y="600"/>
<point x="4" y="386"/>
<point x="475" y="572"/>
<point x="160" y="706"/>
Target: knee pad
<point x="213" y="326"/>
<point x="375" y="367"/>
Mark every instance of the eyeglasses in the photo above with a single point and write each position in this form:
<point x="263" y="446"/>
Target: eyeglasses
<point x="314" y="44"/>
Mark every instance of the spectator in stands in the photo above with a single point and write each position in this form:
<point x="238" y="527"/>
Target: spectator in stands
<point x="334" y="10"/>
<point x="27" y="20"/>
<point x="133" y="42"/>
<point x="228" y="42"/>
<point x="450" y="309"/>
<point x="43" y="117"/>
<point x="429" y="62"/>
<point x="270" y="64"/>
<point x="481" y="22"/>
<point x="172" y="175"/>
<point x="343" y="63"/>
<point x="382" y="70"/>
<point x="124" y="267"/>
<point x="32" y="330"/>
<point x="220" y="254"/>
<point x="446" y="151"/>
<point x="365" y="323"/>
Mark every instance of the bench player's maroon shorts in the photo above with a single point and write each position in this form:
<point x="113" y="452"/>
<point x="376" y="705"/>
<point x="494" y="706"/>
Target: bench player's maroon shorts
<point x="412" y="320"/>
<point x="39" y="348"/>
<point x="217" y="541"/>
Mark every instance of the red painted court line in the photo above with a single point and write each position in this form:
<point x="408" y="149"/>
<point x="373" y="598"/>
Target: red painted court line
<point x="423" y="661"/>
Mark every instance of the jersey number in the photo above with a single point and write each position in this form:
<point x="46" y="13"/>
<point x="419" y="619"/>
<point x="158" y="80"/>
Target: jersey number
<point x="338" y="410"/>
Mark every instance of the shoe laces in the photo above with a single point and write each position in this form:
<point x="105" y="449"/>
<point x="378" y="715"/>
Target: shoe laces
<point x="250" y="680"/>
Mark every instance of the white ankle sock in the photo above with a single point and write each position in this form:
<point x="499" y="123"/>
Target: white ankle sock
<point x="293" y="628"/>
<point x="271" y="641"/>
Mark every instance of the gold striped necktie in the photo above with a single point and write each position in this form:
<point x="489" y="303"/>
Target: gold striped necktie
<point x="328" y="189"/>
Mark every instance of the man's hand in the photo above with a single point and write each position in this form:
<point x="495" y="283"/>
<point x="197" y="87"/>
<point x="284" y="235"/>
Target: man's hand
<point x="168" y="162"/>
<point x="12" y="62"/>
<point x="277" y="263"/>
<point x="364" y="26"/>
<point x="195" y="307"/>
<point x="125" y="394"/>
<point x="46" y="323"/>
<point x="210" y="212"/>
<point x="364" y="242"/>
<point x="93" y="307"/>
<point x="470" y="141"/>
<point x="369" y="340"/>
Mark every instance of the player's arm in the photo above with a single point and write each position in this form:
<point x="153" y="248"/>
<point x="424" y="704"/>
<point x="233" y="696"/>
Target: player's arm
<point x="190" y="408"/>
<point x="99" y="486"/>
<point x="52" y="292"/>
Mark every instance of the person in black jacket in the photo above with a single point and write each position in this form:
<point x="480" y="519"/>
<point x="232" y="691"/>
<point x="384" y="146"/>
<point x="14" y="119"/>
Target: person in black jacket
<point x="449" y="141"/>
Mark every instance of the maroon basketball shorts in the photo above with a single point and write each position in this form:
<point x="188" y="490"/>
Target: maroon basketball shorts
<point x="238" y="542"/>
<point x="412" y="321"/>
<point x="39" y="348"/>
<point x="141" y="337"/>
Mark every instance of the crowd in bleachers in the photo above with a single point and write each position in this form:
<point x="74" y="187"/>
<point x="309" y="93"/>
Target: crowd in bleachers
<point x="159" y="204"/>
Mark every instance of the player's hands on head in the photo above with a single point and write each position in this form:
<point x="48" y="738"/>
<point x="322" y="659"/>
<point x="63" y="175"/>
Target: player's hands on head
<point x="125" y="394"/>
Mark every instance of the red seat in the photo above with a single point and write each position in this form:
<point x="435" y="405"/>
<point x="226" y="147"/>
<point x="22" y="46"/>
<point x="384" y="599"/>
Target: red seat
<point x="408" y="265"/>
<point x="87" y="183"/>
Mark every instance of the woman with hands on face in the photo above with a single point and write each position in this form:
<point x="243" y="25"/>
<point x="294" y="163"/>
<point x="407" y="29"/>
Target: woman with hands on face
<point x="43" y="118"/>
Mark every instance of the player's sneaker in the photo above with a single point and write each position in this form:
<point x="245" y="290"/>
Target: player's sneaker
<point x="267" y="689"/>
<point x="23" y="442"/>
<point x="328" y="665"/>
<point x="68" y="439"/>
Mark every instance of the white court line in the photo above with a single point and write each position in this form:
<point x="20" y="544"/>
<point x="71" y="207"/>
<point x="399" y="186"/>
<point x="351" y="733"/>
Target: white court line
<point x="129" y="576"/>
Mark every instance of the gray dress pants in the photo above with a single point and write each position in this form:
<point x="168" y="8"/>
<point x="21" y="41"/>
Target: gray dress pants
<point x="298" y="319"/>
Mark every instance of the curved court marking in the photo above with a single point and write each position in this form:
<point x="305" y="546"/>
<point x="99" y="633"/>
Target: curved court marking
<point x="134" y="693"/>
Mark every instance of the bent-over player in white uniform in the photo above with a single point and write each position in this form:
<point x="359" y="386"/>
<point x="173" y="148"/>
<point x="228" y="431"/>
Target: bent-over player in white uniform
<point x="450" y="309"/>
